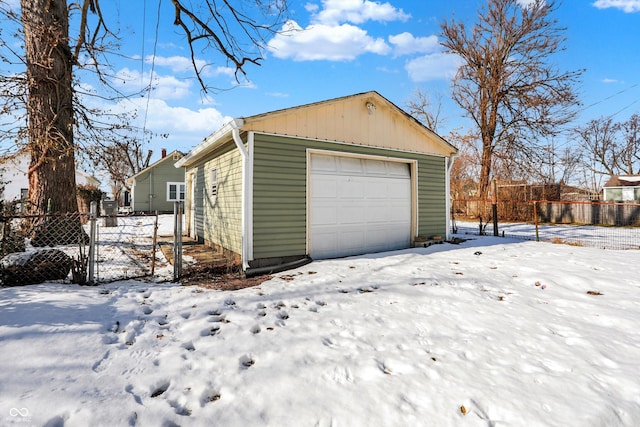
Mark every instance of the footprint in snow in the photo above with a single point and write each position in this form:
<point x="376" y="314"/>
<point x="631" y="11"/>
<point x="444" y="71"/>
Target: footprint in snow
<point x="255" y="329"/>
<point x="129" y="389"/>
<point x="210" y="395"/>
<point x="188" y="346"/>
<point x="180" y="408"/>
<point x="99" y="365"/>
<point x="147" y="310"/>
<point x="262" y="313"/>
<point x="328" y="342"/>
<point x="115" y="327"/>
<point x="230" y="302"/>
<point x="215" y="330"/>
<point x="218" y="319"/>
<point x="282" y="315"/>
<point x="247" y="361"/>
<point x="185" y="315"/>
<point x="160" y="388"/>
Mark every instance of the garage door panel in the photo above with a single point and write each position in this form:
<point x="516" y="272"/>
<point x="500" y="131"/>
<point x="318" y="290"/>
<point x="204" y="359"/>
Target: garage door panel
<point x="351" y="189"/>
<point x="366" y="206"/>
<point x="327" y="187"/>
<point x="326" y="215"/>
<point x="350" y="166"/>
<point x="324" y="164"/>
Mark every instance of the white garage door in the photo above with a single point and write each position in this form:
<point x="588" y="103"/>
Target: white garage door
<point x="358" y="206"/>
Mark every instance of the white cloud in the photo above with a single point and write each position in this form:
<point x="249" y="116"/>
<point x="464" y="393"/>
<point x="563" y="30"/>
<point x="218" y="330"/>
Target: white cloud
<point x="357" y="11"/>
<point x="436" y="66"/>
<point x="179" y="120"/>
<point x="185" y="127"/>
<point x="607" y="80"/>
<point x="334" y="33"/>
<point x="526" y="3"/>
<point x="406" y="44"/>
<point x="321" y="42"/>
<point x="181" y="64"/>
<point x="628" y="6"/>
<point x="175" y="63"/>
<point x="311" y="8"/>
<point x="165" y="87"/>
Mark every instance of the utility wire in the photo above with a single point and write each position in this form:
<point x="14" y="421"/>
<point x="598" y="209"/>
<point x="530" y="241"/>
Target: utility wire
<point x="153" y="66"/>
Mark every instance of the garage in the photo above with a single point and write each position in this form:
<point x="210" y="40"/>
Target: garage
<point x="358" y="205"/>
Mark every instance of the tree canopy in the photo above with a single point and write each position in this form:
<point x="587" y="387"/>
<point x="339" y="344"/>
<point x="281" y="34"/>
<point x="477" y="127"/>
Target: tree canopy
<point x="507" y="83"/>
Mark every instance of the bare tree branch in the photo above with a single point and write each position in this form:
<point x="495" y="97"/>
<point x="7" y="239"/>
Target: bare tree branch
<point x="505" y="84"/>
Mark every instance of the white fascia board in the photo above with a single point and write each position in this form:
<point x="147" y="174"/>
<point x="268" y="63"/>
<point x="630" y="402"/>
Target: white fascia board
<point x="209" y="143"/>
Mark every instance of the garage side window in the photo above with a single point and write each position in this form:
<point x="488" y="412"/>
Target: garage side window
<point x="213" y="179"/>
<point x="175" y="191"/>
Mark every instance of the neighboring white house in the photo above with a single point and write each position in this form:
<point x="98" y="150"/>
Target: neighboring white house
<point x="13" y="177"/>
<point x="622" y="188"/>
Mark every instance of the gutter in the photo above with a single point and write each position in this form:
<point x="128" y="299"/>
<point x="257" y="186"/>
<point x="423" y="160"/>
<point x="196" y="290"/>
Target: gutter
<point x="449" y="164"/>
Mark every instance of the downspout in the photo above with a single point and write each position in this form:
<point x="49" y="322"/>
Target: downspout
<point x="150" y="190"/>
<point x="449" y="165"/>
<point x="246" y="191"/>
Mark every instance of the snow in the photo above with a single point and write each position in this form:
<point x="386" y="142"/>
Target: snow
<point x="584" y="235"/>
<point x="492" y="331"/>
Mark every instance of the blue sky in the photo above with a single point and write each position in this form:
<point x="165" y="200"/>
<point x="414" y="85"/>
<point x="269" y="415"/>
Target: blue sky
<point x="351" y="46"/>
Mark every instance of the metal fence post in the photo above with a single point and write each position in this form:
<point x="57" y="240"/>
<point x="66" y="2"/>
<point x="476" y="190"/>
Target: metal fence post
<point x="494" y="208"/>
<point x="177" y="240"/>
<point x="92" y="241"/>
<point x="535" y="219"/>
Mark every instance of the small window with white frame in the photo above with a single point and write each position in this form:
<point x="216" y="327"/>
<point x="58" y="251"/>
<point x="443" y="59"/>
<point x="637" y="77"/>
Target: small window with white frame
<point x="175" y="191"/>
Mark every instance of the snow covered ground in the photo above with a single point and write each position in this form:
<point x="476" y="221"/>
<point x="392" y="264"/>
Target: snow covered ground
<point x="486" y="333"/>
<point x="602" y="237"/>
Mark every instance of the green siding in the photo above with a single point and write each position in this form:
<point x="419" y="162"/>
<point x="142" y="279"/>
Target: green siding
<point x="279" y="192"/>
<point x="153" y="182"/>
<point x="219" y="219"/>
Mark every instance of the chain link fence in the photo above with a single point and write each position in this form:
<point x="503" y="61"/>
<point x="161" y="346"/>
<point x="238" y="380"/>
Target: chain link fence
<point x="84" y="248"/>
<point x="596" y="224"/>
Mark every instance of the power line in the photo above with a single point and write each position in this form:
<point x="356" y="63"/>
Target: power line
<point x="620" y="92"/>
<point x="153" y="65"/>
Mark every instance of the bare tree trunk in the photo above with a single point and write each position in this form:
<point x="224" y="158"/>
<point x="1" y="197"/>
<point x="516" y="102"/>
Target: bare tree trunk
<point x="52" y="186"/>
<point x="485" y="169"/>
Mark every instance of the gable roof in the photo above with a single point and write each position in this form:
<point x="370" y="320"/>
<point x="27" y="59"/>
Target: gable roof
<point x="365" y="118"/>
<point x="157" y="163"/>
<point x="623" y="181"/>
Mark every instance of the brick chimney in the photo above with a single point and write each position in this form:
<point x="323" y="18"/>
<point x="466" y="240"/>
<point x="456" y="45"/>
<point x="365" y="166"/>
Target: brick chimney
<point x="164" y="153"/>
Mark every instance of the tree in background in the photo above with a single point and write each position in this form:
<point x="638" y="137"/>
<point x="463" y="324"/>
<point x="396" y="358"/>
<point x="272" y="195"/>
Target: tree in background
<point x="425" y="110"/>
<point x="506" y="84"/>
<point x="122" y="159"/>
<point x="52" y="56"/>
<point x="610" y="148"/>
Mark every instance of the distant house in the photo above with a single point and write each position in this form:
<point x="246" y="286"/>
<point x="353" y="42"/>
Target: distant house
<point x="13" y="176"/>
<point x="345" y="176"/>
<point x="622" y="188"/>
<point x="159" y="186"/>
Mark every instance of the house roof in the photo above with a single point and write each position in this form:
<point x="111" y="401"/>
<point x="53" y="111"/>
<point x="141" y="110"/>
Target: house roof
<point x="163" y="160"/>
<point x="365" y="118"/>
<point x="623" y="181"/>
